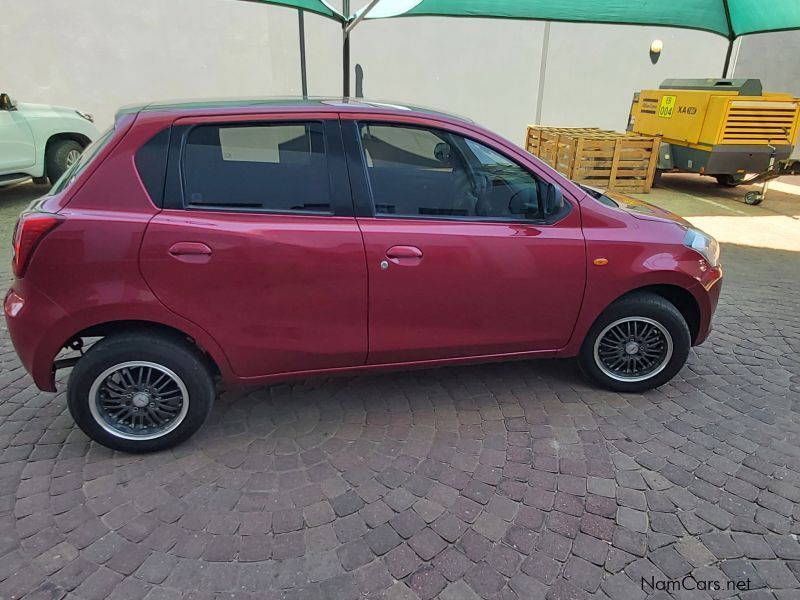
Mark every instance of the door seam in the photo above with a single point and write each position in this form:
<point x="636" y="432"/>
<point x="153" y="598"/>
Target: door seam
<point x="361" y="233"/>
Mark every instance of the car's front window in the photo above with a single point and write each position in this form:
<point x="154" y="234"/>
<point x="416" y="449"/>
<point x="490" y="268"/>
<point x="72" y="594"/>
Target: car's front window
<point x="86" y="157"/>
<point x="430" y="173"/>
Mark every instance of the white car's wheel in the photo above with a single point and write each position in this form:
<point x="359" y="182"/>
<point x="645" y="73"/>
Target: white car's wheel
<point x="61" y="155"/>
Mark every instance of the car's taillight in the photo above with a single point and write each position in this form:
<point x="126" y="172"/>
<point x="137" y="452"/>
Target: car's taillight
<point x="31" y="229"/>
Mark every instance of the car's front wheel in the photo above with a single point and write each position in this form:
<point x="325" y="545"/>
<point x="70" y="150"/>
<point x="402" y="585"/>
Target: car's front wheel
<point x="60" y="156"/>
<point x="140" y="393"/>
<point x="639" y="342"/>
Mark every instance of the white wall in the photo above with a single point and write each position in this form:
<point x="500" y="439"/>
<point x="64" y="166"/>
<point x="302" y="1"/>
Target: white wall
<point x="99" y="54"/>
<point x="773" y="58"/>
<point x="488" y="69"/>
<point x="485" y="69"/>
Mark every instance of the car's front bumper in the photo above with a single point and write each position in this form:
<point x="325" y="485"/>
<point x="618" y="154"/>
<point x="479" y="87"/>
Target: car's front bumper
<point x="706" y="292"/>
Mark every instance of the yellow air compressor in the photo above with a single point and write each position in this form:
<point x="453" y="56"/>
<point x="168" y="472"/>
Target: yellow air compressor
<point x="726" y="128"/>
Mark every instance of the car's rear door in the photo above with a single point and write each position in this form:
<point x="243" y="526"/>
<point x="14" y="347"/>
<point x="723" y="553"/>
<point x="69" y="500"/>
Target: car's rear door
<point x="452" y="272"/>
<point x="257" y="242"/>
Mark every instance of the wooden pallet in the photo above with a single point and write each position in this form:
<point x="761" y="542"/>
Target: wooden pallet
<point x="597" y="157"/>
<point x="538" y="133"/>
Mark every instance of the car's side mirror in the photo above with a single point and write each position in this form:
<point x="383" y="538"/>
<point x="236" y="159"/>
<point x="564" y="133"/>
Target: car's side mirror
<point x="537" y="202"/>
<point x="7" y="102"/>
<point x="553" y="200"/>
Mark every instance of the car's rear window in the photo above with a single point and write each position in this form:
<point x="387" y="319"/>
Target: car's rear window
<point x="274" y="167"/>
<point x="86" y="157"/>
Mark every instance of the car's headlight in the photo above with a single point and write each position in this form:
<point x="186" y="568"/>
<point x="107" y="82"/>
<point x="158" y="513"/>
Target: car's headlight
<point x="86" y="116"/>
<point x="703" y="243"/>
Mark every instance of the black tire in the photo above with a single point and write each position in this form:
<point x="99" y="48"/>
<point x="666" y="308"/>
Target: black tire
<point x="753" y="198"/>
<point x="651" y="308"/>
<point x="727" y="180"/>
<point x="59" y="156"/>
<point x="174" y="354"/>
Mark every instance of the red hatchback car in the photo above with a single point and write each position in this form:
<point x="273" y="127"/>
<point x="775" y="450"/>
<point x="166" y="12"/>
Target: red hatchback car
<point x="261" y="240"/>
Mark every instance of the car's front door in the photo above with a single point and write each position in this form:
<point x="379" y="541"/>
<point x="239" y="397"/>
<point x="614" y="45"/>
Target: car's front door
<point x="17" y="148"/>
<point x="260" y="246"/>
<point x="465" y="255"/>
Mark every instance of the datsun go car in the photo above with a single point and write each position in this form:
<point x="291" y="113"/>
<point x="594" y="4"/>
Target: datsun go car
<point x="265" y="240"/>
<point x="39" y="140"/>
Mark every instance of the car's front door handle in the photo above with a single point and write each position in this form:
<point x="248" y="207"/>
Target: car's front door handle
<point x="190" y="251"/>
<point x="404" y="255"/>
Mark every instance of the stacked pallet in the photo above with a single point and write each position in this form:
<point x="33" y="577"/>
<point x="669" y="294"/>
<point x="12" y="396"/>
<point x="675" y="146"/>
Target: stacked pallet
<point x="597" y="157"/>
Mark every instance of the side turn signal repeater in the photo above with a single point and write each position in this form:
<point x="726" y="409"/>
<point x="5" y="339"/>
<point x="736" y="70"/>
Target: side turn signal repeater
<point x="600" y="261"/>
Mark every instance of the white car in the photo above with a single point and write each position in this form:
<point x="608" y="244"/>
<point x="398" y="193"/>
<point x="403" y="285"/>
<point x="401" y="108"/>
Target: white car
<point x="40" y="141"/>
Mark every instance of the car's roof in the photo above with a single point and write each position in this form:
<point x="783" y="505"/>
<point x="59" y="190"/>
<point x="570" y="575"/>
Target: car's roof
<point x="288" y="103"/>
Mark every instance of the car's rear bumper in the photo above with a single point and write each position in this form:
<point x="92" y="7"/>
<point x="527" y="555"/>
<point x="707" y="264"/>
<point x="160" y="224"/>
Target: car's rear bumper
<point x="29" y="317"/>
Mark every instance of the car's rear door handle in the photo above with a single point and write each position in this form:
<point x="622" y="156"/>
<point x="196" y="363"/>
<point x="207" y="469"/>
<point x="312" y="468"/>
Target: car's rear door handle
<point x="404" y="255"/>
<point x="190" y="251"/>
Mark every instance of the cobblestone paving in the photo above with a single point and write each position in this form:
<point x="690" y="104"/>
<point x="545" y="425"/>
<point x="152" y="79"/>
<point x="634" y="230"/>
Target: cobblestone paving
<point x="500" y="481"/>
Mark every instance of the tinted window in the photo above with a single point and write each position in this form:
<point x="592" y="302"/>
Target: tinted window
<point x="426" y="172"/>
<point x="151" y="163"/>
<point x="280" y="167"/>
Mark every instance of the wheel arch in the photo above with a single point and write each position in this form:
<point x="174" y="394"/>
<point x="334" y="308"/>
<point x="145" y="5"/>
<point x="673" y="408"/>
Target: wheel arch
<point x="674" y="287"/>
<point x="82" y="139"/>
<point x="110" y="328"/>
<point x="679" y="297"/>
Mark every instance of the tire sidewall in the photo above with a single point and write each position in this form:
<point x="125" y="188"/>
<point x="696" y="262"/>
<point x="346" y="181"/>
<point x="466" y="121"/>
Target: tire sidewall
<point x="187" y="364"/>
<point x="56" y="158"/>
<point x="649" y="306"/>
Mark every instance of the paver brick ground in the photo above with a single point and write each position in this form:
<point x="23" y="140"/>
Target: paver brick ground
<point x="515" y="480"/>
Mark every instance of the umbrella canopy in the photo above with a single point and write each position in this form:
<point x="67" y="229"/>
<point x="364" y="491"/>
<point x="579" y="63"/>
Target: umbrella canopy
<point x="730" y="18"/>
<point x="319" y="7"/>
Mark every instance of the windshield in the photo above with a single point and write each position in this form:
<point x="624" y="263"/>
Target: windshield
<point x="86" y="157"/>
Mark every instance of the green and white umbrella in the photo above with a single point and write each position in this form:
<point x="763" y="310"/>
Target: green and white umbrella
<point x="728" y="18"/>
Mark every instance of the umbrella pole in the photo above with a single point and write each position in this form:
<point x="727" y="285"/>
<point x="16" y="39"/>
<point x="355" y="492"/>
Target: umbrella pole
<point x="346" y="65"/>
<point x="301" y="29"/>
<point x="348" y="25"/>
<point x="728" y="55"/>
<point x="346" y="50"/>
<point x="542" y="73"/>
<point x="731" y="37"/>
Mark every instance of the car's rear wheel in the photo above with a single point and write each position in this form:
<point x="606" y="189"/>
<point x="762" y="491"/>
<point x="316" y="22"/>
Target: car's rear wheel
<point x="61" y="155"/>
<point x="639" y="342"/>
<point x="140" y="393"/>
